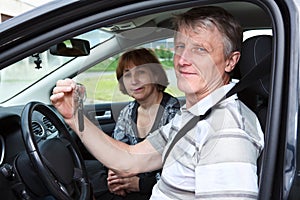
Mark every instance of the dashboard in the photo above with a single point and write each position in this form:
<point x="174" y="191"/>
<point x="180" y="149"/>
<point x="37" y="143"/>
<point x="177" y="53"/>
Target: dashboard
<point x="12" y="145"/>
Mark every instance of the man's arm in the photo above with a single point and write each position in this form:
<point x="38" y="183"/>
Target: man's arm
<point x="123" y="159"/>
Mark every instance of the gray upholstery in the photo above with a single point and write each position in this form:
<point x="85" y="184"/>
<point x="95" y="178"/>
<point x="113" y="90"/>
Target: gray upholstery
<point x="254" y="50"/>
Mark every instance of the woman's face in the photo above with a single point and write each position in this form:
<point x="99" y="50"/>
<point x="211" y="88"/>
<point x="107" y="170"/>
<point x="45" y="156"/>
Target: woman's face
<point x="139" y="82"/>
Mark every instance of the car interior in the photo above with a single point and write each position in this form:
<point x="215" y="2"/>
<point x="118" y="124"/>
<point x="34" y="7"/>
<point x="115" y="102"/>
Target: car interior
<point x="25" y="129"/>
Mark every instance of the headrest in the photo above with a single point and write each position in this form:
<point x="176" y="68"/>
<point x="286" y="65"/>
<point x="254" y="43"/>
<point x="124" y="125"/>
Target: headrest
<point x="254" y="50"/>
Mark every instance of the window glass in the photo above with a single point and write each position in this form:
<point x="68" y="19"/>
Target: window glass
<point x="251" y="33"/>
<point x="101" y="81"/>
<point x="28" y="71"/>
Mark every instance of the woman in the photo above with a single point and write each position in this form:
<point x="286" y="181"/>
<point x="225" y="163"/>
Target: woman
<point x="141" y="76"/>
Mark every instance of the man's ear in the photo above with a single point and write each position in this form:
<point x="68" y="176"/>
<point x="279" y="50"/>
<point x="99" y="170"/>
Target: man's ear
<point x="232" y="60"/>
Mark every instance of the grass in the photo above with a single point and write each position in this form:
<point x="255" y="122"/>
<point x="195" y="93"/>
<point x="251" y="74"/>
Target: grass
<point x="110" y="65"/>
<point x="105" y="88"/>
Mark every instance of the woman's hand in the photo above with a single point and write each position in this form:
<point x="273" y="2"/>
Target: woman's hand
<point x="118" y="184"/>
<point x="114" y="187"/>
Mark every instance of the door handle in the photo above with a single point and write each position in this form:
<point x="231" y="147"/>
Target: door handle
<point x="105" y="116"/>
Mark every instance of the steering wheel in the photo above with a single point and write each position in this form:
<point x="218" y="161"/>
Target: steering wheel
<point x="57" y="161"/>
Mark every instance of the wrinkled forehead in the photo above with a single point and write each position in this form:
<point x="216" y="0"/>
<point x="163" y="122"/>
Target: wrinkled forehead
<point x="196" y="34"/>
<point x="196" y="25"/>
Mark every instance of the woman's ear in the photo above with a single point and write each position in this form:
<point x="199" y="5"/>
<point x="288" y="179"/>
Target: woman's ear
<point x="232" y="60"/>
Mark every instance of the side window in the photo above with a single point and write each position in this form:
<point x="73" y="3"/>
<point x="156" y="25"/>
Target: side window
<point x="101" y="81"/>
<point x="251" y="33"/>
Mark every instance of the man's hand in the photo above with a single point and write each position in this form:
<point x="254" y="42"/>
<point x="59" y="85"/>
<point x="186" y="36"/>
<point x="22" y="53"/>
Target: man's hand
<point x="63" y="99"/>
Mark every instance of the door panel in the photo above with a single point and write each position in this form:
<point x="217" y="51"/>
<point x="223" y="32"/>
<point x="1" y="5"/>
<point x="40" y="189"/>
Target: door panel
<point x="104" y="115"/>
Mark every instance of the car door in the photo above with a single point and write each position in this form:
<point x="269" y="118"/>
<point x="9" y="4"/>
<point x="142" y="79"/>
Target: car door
<point x="65" y="19"/>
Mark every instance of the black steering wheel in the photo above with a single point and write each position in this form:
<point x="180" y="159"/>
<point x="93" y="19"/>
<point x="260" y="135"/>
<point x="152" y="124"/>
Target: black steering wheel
<point x="57" y="161"/>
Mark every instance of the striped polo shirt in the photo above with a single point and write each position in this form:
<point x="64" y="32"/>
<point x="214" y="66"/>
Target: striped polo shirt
<point x="217" y="158"/>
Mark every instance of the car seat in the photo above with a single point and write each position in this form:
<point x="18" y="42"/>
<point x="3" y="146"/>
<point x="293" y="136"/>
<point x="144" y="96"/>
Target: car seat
<point x="254" y="71"/>
<point x="255" y="96"/>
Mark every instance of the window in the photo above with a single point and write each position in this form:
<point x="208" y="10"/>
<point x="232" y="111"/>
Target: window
<point x="30" y="70"/>
<point x="251" y="33"/>
<point x="101" y="82"/>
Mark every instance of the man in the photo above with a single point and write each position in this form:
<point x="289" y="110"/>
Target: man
<point x="217" y="157"/>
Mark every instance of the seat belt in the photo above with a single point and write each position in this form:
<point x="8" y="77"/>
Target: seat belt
<point x="258" y="71"/>
<point x="188" y="126"/>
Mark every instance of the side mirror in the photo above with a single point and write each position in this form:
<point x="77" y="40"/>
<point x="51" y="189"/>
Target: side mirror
<point x="71" y="48"/>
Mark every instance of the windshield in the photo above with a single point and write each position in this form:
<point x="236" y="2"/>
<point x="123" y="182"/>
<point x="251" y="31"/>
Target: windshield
<point x="19" y="76"/>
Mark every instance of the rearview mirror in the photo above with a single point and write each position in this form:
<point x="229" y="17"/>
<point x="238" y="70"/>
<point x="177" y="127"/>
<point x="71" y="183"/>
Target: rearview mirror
<point x="71" y="48"/>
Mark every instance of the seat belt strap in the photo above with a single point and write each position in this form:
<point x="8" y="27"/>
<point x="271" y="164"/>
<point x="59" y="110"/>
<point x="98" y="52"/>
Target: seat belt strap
<point x="261" y="69"/>
<point x="188" y="126"/>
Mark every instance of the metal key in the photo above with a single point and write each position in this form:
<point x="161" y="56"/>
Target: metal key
<point x="80" y="93"/>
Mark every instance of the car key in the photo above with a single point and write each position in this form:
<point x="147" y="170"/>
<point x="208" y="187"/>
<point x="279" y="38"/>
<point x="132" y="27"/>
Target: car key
<point x="80" y="97"/>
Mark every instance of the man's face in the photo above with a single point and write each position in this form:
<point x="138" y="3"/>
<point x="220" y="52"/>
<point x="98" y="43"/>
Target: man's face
<point x="199" y="61"/>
